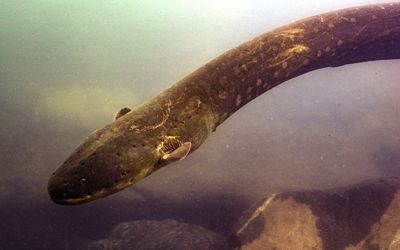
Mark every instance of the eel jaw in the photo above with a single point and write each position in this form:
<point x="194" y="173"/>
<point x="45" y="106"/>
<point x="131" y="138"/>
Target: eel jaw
<point x="62" y="194"/>
<point x="75" y="201"/>
<point x="87" y="198"/>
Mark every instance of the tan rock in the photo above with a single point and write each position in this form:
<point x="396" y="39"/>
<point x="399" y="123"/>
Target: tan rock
<point x="363" y="216"/>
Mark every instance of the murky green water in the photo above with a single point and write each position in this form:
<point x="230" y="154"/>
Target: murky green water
<point x="66" y="68"/>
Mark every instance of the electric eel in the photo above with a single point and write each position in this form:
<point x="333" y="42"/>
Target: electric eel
<point x="176" y="122"/>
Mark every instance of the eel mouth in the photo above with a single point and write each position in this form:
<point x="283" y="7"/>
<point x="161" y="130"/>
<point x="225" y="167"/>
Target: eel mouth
<point x="61" y="197"/>
<point x="75" y="201"/>
<point x="64" y="193"/>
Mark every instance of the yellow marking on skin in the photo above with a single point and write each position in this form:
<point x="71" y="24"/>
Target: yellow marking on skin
<point x="395" y="242"/>
<point x="135" y="127"/>
<point x="171" y="137"/>
<point x="152" y="127"/>
<point x="289" y="53"/>
<point x="166" y="115"/>
<point x="198" y="103"/>
<point x="223" y="80"/>
<point x="259" y="49"/>
<point x="291" y="33"/>
<point x="298" y="48"/>
<point x="238" y="100"/>
<point x="160" y="146"/>
<point x="344" y="18"/>
<point x="258" y="83"/>
<point x="260" y="45"/>
<point x="360" y="31"/>
<point x="222" y="95"/>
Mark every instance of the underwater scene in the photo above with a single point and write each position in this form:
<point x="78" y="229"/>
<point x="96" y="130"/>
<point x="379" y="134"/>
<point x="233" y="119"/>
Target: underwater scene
<point x="160" y="124"/>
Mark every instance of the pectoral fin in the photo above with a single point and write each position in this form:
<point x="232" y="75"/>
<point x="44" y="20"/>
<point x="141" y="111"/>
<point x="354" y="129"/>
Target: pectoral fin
<point x="122" y="112"/>
<point x="179" y="153"/>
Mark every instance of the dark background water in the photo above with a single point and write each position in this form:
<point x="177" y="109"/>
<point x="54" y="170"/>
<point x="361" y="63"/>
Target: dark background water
<point x="66" y="67"/>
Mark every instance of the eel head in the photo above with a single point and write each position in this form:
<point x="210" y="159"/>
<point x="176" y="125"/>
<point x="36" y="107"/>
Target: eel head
<point x="112" y="159"/>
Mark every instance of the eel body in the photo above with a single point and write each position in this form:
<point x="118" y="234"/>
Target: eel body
<point x="177" y="121"/>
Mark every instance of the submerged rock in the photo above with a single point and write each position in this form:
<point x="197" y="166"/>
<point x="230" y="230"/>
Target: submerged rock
<point x="160" y="235"/>
<point x="363" y="216"/>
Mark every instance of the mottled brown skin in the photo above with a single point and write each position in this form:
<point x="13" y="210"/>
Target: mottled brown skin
<point x="136" y="144"/>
